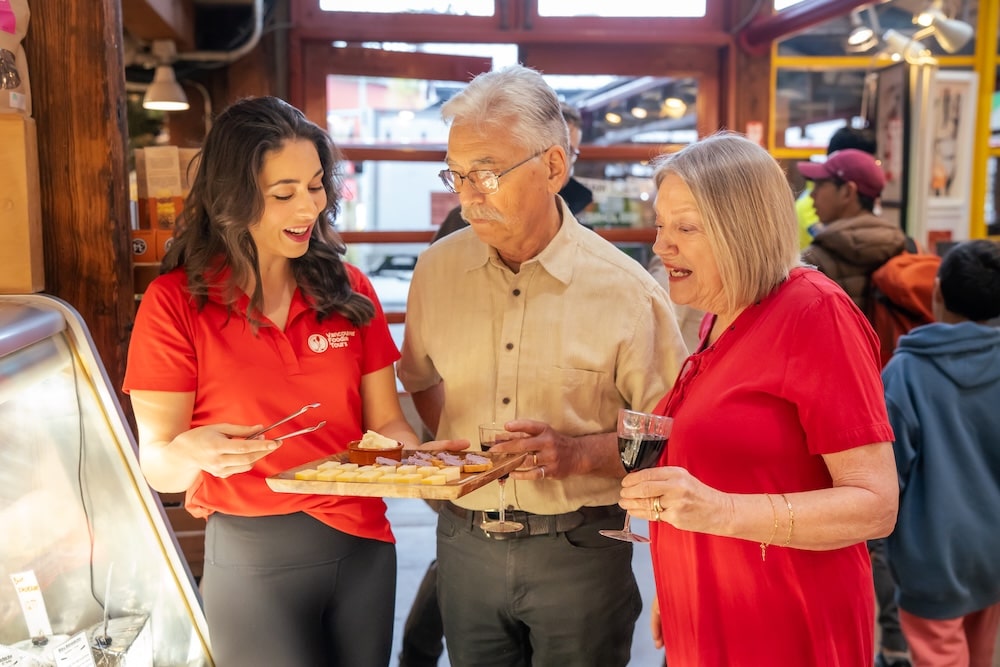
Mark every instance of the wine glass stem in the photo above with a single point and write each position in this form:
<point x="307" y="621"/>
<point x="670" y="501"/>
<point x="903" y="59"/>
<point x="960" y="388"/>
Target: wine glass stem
<point x="628" y="521"/>
<point x="503" y="502"/>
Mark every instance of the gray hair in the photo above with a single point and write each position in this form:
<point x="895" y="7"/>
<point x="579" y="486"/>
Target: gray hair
<point x="748" y="210"/>
<point x="514" y="101"/>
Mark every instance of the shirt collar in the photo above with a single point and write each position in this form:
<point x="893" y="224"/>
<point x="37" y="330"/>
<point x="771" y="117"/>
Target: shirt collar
<point x="557" y="258"/>
<point x="216" y="279"/>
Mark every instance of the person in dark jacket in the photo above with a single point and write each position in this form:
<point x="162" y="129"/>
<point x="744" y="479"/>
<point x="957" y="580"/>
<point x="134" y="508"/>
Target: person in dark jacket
<point x="942" y="389"/>
<point x="852" y="243"/>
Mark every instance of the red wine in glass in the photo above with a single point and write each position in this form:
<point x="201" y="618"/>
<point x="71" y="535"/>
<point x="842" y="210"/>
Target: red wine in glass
<point x="642" y="438"/>
<point x="640" y="451"/>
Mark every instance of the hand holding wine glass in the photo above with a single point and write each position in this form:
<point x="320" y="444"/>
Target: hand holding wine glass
<point x="489" y="435"/>
<point x="641" y="439"/>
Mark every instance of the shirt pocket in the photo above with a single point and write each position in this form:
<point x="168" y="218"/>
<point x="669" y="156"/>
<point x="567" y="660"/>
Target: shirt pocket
<point x="573" y="399"/>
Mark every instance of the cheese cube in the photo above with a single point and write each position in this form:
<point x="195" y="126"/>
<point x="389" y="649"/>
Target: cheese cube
<point x="309" y="474"/>
<point x="434" y="480"/>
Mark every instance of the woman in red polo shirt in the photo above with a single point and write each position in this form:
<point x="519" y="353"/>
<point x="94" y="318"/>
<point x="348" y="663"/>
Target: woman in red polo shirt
<point x="254" y="316"/>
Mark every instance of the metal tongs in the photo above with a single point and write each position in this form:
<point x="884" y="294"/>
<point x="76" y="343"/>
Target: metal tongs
<point x="289" y="418"/>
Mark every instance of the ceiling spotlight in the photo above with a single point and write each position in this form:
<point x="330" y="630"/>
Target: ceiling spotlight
<point x="613" y="118"/>
<point x="951" y="34"/>
<point x="901" y="47"/>
<point x="673" y="107"/>
<point x="925" y="18"/>
<point x="639" y="112"/>
<point x="165" y="94"/>
<point x="862" y="37"/>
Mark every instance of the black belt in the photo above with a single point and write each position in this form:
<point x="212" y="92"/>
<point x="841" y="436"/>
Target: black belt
<point x="536" y="524"/>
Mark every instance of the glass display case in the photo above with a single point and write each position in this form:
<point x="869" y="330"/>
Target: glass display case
<point x="76" y="515"/>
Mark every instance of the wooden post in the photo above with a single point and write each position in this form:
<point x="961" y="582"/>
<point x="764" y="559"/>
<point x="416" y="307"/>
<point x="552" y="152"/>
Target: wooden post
<point x="75" y="59"/>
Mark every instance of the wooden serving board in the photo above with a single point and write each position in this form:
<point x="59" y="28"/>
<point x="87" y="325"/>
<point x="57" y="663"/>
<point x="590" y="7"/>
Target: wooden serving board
<point x="285" y="482"/>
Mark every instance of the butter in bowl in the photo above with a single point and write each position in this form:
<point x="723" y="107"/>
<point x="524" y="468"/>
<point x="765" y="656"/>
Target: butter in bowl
<point x="371" y="446"/>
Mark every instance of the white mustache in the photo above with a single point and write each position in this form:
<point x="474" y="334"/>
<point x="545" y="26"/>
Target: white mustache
<point x="481" y="214"/>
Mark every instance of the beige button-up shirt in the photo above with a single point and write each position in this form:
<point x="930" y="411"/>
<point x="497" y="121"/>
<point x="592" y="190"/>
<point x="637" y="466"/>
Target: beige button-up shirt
<point x="579" y="332"/>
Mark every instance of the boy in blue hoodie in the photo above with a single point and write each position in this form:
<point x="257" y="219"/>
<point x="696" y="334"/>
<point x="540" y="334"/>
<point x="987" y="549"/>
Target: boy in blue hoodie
<point x="942" y="389"/>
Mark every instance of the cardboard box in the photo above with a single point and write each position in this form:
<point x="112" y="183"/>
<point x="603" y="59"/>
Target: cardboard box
<point x="22" y="262"/>
<point x="158" y="185"/>
<point x="143" y="246"/>
<point x="188" y="158"/>
<point x="159" y="212"/>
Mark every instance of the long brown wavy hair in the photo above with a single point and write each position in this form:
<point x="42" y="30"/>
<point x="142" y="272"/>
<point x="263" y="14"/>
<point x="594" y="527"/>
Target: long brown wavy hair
<point x="225" y="200"/>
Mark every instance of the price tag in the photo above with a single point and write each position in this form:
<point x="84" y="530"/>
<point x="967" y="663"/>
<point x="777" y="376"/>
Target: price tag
<point x="7" y="658"/>
<point x="32" y="603"/>
<point x="75" y="652"/>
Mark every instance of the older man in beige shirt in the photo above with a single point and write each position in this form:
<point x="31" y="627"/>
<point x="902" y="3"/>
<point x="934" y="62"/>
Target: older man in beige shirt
<point x="530" y="320"/>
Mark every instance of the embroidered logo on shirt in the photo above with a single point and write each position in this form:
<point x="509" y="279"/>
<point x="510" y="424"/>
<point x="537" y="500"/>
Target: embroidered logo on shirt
<point x="320" y="343"/>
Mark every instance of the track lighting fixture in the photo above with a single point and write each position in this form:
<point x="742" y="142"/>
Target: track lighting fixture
<point x="951" y="34"/>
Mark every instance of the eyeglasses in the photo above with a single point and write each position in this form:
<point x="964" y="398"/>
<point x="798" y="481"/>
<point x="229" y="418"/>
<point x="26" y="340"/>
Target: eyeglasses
<point x="485" y="181"/>
<point x="574" y="153"/>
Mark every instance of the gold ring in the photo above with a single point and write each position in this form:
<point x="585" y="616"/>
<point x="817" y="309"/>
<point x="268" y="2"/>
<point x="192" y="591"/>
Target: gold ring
<point x="542" y="469"/>
<point x="657" y="508"/>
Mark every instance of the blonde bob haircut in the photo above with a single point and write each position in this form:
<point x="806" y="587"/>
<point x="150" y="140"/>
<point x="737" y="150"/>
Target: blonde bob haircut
<point x="748" y="210"/>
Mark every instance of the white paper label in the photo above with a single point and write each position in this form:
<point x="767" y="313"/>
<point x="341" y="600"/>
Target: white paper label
<point x="75" y="652"/>
<point x="7" y="658"/>
<point x="32" y="603"/>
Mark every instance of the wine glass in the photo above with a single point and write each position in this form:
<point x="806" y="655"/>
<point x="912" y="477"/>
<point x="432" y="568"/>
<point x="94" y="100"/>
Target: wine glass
<point x="641" y="439"/>
<point x="489" y="435"/>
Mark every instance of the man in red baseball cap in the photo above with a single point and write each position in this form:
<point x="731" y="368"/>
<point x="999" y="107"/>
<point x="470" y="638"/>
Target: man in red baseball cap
<point x="850" y="167"/>
<point x="853" y="241"/>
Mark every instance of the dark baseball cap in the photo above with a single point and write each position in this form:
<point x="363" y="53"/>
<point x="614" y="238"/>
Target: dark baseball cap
<point x="849" y="165"/>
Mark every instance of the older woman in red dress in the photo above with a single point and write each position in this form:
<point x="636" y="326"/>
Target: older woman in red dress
<point x="779" y="466"/>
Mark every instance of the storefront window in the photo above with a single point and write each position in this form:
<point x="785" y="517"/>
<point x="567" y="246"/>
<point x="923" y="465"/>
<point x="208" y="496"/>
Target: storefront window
<point x="451" y="7"/>
<point x="810" y="105"/>
<point x="623" y="8"/>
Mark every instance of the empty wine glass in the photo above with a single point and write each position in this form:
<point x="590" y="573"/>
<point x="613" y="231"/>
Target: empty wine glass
<point x="489" y="435"/>
<point x="641" y="439"/>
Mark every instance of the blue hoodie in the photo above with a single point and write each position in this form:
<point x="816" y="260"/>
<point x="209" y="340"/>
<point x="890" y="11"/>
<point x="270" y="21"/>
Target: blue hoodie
<point x="942" y="390"/>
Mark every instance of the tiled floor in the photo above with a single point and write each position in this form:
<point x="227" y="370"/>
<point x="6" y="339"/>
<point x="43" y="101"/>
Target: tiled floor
<point x="413" y="522"/>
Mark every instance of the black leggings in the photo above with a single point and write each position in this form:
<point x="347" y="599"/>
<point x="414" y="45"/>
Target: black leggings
<point x="290" y="590"/>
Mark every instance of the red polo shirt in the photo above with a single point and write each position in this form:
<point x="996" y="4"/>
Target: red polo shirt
<point x="241" y="377"/>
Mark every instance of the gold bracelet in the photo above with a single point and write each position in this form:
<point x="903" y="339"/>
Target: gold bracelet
<point x="791" y="521"/>
<point x="774" y="530"/>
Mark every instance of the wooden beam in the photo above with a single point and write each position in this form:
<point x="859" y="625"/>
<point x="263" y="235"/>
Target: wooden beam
<point x="160" y="19"/>
<point x="79" y="105"/>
